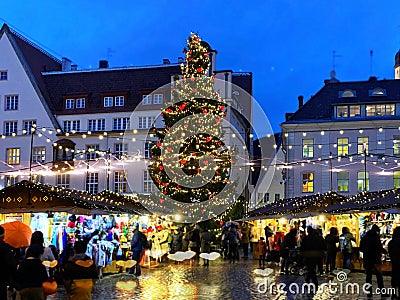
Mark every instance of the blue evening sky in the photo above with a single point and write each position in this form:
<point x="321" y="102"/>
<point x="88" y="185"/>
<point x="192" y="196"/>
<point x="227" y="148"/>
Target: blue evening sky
<point x="287" y="44"/>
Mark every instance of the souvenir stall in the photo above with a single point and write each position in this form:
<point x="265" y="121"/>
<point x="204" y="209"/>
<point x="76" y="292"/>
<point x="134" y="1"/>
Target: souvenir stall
<point x="362" y="211"/>
<point x="298" y="212"/>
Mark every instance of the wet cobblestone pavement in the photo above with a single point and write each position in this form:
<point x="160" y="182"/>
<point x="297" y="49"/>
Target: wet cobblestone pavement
<point x="221" y="280"/>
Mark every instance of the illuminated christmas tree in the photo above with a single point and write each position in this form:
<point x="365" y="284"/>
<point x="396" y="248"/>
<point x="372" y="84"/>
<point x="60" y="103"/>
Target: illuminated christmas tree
<point x="190" y="162"/>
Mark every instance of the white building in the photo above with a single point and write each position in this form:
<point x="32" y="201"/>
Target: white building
<point x="81" y="117"/>
<point x="346" y="138"/>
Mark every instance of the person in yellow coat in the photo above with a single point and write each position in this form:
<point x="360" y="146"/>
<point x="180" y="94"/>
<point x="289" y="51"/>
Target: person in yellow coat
<point x="79" y="274"/>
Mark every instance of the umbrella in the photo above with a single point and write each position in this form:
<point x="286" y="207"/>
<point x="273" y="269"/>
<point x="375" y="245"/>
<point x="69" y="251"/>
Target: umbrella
<point x="17" y="234"/>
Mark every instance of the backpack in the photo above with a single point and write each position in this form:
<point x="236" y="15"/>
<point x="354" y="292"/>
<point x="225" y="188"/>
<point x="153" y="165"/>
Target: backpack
<point x="343" y="243"/>
<point x="143" y="241"/>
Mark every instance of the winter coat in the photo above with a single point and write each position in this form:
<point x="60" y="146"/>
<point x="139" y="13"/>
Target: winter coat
<point x="245" y="230"/>
<point x="205" y="238"/>
<point x="347" y="238"/>
<point x="185" y="241"/>
<point x="79" y="274"/>
<point x="372" y="249"/>
<point x="8" y="264"/>
<point x="313" y="246"/>
<point x="394" y="250"/>
<point x="233" y="237"/>
<point x="330" y="242"/>
<point x="136" y="245"/>
<point x="289" y="242"/>
<point x="31" y="273"/>
<point x="176" y="242"/>
<point x="194" y="240"/>
<point x="262" y="247"/>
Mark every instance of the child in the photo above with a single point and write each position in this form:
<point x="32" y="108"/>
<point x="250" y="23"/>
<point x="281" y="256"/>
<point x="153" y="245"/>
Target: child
<point x="262" y="250"/>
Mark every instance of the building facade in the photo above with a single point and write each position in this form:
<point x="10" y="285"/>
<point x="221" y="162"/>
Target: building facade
<point x="346" y="138"/>
<point x="79" y="128"/>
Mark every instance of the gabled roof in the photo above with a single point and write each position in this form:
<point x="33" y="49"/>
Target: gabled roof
<point x="320" y="106"/>
<point x="34" y="60"/>
<point x="131" y="82"/>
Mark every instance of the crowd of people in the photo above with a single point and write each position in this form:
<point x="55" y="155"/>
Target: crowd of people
<point x="314" y="251"/>
<point x="23" y="272"/>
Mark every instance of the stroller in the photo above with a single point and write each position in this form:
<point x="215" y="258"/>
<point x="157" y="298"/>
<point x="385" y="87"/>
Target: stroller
<point x="296" y="263"/>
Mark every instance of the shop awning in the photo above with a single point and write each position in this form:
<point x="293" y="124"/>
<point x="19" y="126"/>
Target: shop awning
<point x="384" y="200"/>
<point x="128" y="202"/>
<point x="298" y="207"/>
<point x="26" y="197"/>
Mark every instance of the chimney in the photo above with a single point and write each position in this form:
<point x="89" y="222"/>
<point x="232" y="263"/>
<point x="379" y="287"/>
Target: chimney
<point x="372" y="78"/>
<point x="300" y="98"/>
<point x="181" y="60"/>
<point x="166" y="61"/>
<point x="74" y="67"/>
<point x="288" y="116"/>
<point x="103" y="64"/>
<point x="65" y="64"/>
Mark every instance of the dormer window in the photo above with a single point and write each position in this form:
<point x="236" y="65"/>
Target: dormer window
<point x="377" y="92"/>
<point x="75" y="102"/>
<point x="347" y="94"/>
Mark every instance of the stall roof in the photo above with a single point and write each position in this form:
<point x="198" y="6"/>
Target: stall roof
<point x="127" y="201"/>
<point x="298" y="206"/>
<point x="26" y="196"/>
<point x="368" y="201"/>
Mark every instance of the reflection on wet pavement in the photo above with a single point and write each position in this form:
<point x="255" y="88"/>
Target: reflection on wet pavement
<point x="220" y="280"/>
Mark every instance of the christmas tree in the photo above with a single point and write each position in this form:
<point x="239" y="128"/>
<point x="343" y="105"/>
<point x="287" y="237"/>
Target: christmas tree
<point x="190" y="161"/>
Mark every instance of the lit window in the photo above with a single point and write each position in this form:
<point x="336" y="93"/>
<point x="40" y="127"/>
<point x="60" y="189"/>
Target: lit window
<point x="120" y="123"/>
<point x="10" y="128"/>
<point x="119" y="101"/>
<point x="10" y="180"/>
<point x="92" y="151"/>
<point x="342" y="146"/>
<point x="39" y="154"/>
<point x="308" y="182"/>
<point x="146" y="99"/>
<point x="92" y="183"/>
<point x="3" y="75"/>
<point x="147" y="146"/>
<point x="158" y="99"/>
<point x="108" y="101"/>
<point x="28" y="125"/>
<point x="96" y="124"/>
<point x="377" y="92"/>
<point x="11" y="102"/>
<point x="355" y="110"/>
<point x="63" y="180"/>
<point x="148" y="185"/>
<point x="13" y="156"/>
<point x="347" y="94"/>
<point x="341" y="111"/>
<point x="343" y="181"/>
<point x="362" y="181"/>
<point x="396" y="179"/>
<point x="374" y="110"/>
<point x="308" y="148"/>
<point x="80" y="103"/>
<point x="396" y="144"/>
<point x="120" y="182"/>
<point x="69" y="103"/>
<point x="120" y="150"/>
<point x="362" y="144"/>
<point x="70" y="126"/>
<point x="38" y="178"/>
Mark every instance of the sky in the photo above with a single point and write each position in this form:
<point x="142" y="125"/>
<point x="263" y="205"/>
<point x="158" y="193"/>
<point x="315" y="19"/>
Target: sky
<point x="288" y="45"/>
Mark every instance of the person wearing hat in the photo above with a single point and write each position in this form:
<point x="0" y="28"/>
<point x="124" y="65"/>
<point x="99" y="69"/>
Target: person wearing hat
<point x="31" y="274"/>
<point x="8" y="265"/>
<point x="372" y="250"/>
